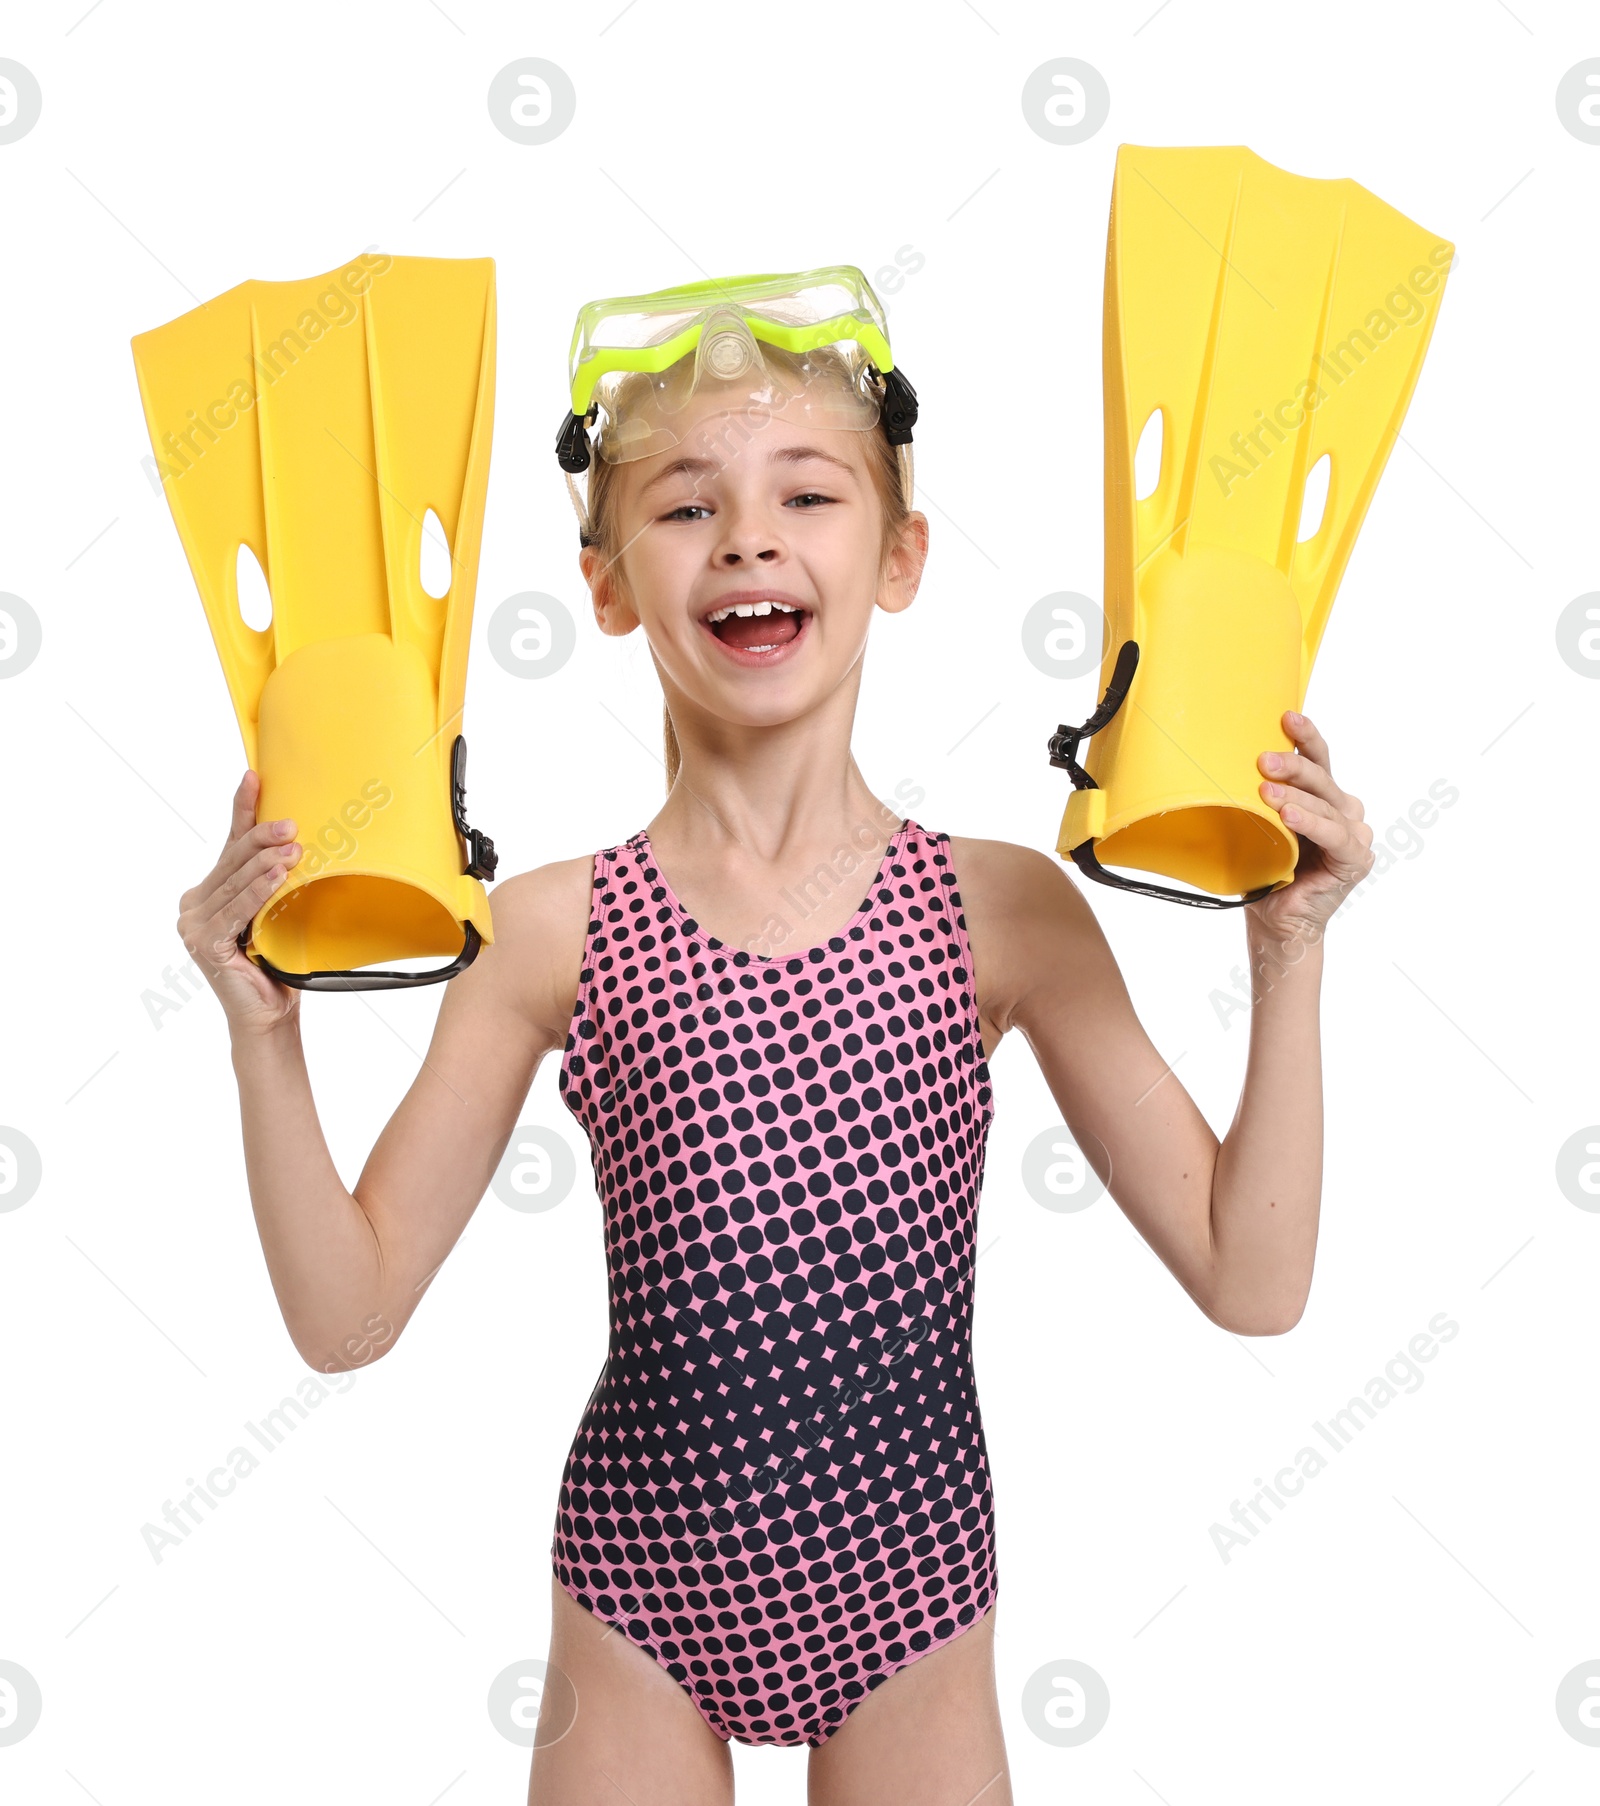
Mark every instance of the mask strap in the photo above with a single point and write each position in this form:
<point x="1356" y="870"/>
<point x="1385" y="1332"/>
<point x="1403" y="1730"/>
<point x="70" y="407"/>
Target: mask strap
<point x="578" y="507"/>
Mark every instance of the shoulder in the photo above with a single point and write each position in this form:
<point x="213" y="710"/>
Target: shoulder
<point x="1024" y="913"/>
<point x="546" y="893"/>
<point x="541" y="922"/>
<point x="998" y="877"/>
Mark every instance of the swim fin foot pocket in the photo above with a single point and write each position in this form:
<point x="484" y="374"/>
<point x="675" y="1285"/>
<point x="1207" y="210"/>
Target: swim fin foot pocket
<point x="320" y="423"/>
<point x="1272" y="322"/>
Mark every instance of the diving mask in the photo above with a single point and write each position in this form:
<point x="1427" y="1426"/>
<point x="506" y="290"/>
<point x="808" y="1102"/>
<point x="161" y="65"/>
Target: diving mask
<point x="813" y="347"/>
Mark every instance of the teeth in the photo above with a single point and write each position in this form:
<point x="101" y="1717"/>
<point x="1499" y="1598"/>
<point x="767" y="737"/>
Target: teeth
<point x="752" y="608"/>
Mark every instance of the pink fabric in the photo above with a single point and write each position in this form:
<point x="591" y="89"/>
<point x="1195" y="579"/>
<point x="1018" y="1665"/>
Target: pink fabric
<point x="779" y="1487"/>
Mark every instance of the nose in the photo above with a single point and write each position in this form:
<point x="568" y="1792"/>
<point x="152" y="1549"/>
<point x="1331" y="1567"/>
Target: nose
<point x="748" y="538"/>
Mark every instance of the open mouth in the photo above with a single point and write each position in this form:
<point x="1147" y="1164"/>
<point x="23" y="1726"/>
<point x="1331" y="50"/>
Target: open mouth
<point x="759" y="628"/>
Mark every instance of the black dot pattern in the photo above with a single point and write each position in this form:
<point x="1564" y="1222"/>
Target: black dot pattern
<point x="779" y="1487"/>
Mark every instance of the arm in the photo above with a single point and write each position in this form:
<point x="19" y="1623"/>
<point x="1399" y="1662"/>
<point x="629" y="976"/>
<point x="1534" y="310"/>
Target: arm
<point x="349" y="1266"/>
<point x="1235" y="1221"/>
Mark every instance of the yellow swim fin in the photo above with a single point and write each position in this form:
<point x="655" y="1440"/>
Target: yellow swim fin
<point x="1271" y="321"/>
<point x="317" y="423"/>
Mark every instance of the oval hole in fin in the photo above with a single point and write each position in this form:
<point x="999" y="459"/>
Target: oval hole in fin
<point x="1314" y="502"/>
<point x="255" y="594"/>
<point x="1147" y="459"/>
<point x="435" y="572"/>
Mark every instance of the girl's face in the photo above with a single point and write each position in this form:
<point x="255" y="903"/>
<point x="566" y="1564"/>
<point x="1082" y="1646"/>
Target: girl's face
<point x="764" y="513"/>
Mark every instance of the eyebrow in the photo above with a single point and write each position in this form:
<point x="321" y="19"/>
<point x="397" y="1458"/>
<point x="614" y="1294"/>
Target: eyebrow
<point x="787" y="454"/>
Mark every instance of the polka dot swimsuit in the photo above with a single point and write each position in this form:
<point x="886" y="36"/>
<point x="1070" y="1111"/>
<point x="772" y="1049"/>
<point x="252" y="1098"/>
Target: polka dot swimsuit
<point x="779" y="1488"/>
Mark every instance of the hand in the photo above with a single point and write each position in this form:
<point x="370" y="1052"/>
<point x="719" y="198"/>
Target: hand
<point x="1335" y="840"/>
<point x="253" y="865"/>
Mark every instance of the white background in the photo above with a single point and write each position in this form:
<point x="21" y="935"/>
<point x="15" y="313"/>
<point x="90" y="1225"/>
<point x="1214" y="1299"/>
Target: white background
<point x="332" y="1631"/>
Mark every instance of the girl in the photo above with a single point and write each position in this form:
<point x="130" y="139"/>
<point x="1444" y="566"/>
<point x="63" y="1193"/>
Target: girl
<point x="775" y="1520"/>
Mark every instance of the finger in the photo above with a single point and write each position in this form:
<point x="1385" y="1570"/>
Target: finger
<point x="1294" y="768"/>
<point x="220" y="936"/>
<point x="1301" y="811"/>
<point x="1286" y="799"/>
<point x="1342" y="853"/>
<point x="246" y="874"/>
<point x="1290" y="772"/>
<point x="244" y="805"/>
<point x="238" y="853"/>
<point x="1297" y="768"/>
<point x="1303" y="731"/>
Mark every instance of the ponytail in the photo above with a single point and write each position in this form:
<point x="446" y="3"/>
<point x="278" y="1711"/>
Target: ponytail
<point x="669" y="742"/>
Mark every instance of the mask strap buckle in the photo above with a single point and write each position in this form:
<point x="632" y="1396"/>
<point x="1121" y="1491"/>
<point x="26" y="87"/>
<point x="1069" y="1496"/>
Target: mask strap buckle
<point x="572" y="442"/>
<point x="1064" y="742"/>
<point x="481" y="856"/>
<point x="899" y="407"/>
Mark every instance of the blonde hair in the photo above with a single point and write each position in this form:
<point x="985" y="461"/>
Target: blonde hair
<point x="889" y="467"/>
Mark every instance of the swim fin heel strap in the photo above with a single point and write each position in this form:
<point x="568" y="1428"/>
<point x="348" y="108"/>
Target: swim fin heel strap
<point x="1271" y="320"/>
<point x="317" y="423"/>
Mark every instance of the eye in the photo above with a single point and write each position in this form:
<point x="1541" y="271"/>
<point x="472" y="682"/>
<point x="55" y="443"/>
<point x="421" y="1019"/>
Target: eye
<point x="811" y="495"/>
<point x="687" y="510"/>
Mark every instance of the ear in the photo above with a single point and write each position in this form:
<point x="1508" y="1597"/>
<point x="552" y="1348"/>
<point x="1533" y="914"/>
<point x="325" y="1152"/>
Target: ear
<point x="903" y="573"/>
<point x="614" y="612"/>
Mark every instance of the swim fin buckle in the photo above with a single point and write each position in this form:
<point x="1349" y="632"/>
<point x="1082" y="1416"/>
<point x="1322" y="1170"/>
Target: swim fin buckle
<point x="1270" y="328"/>
<point x="320" y="424"/>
